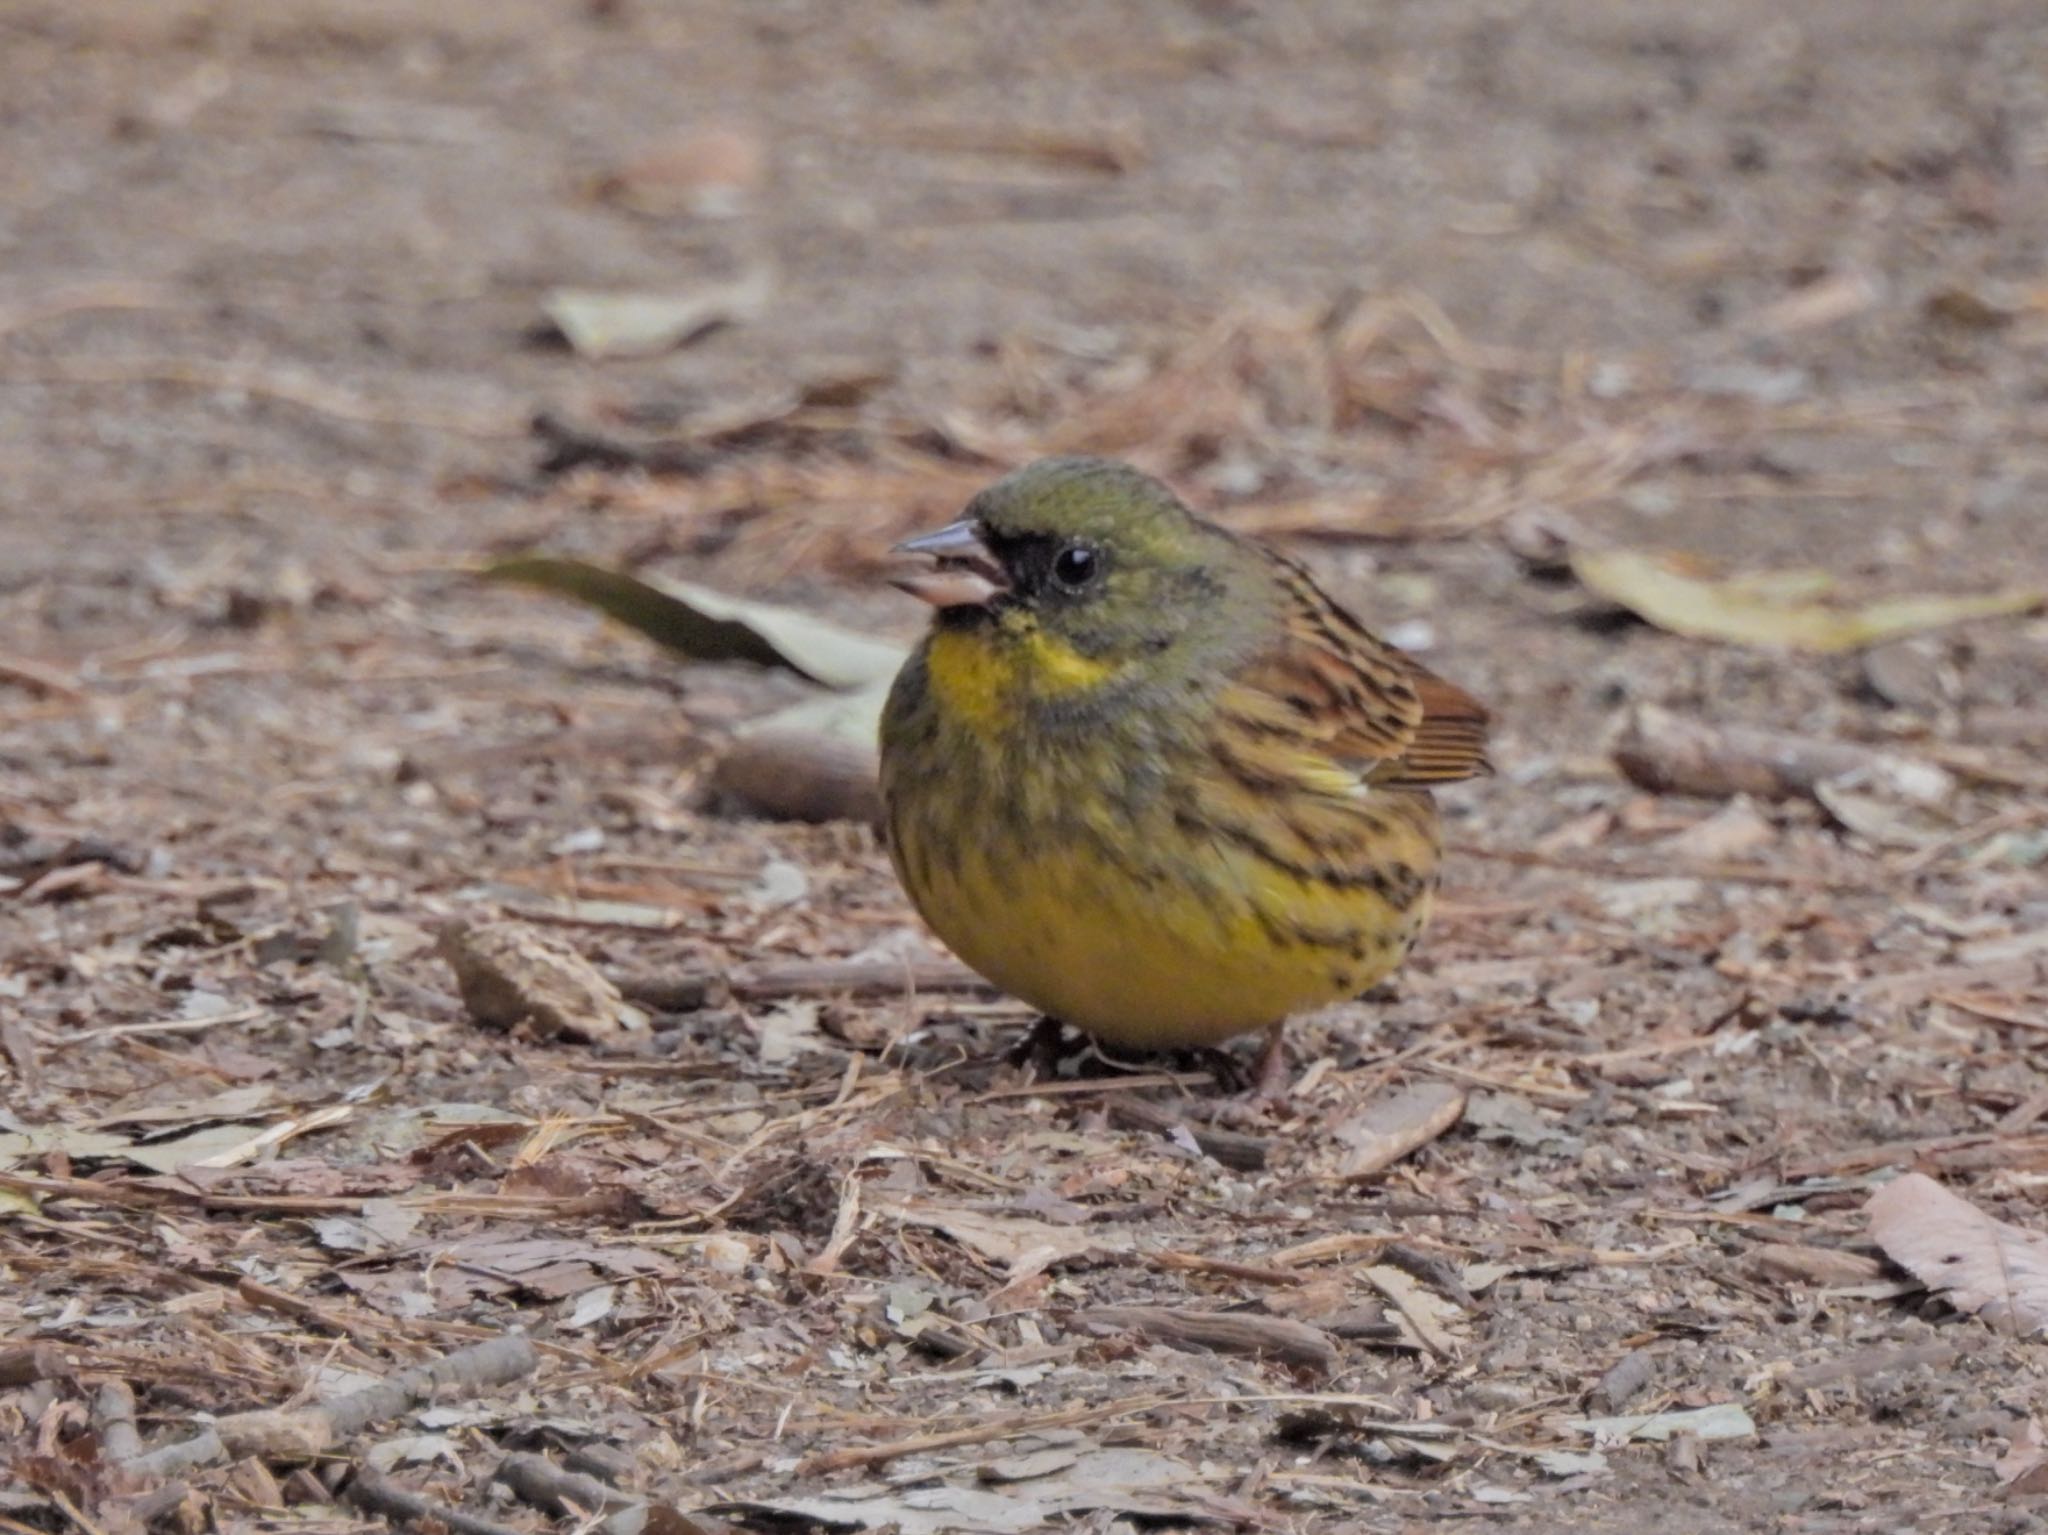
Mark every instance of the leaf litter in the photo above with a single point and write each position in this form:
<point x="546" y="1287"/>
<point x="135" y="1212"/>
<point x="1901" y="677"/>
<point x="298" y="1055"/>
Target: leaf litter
<point x="704" y="1240"/>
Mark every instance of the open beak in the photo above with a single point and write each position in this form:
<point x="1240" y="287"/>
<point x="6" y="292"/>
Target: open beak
<point x="965" y="574"/>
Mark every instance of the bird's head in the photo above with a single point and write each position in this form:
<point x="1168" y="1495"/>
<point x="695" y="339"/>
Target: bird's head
<point x="1088" y="553"/>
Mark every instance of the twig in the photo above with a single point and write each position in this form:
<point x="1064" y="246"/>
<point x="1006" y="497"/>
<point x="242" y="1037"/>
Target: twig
<point x="114" y="1406"/>
<point x="983" y="1433"/>
<point x="146" y="1508"/>
<point x="1232" y="1148"/>
<point x="202" y="1449"/>
<point x="38" y="678"/>
<point x="1137" y="1082"/>
<point x="35" y="1362"/>
<point x="370" y="1492"/>
<point x="148" y="1196"/>
<point x="160" y="1026"/>
<point x="851" y="977"/>
<point x="1226" y="1268"/>
<point x="541" y="1482"/>
<point x="264" y="1298"/>
<point x="305" y="1432"/>
<point x="73" y="1512"/>
<point x="1862" y="1363"/>
<point x="1669" y="754"/>
<point x="1221" y="1332"/>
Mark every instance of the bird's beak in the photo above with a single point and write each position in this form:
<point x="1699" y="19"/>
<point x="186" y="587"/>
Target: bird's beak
<point x="965" y="575"/>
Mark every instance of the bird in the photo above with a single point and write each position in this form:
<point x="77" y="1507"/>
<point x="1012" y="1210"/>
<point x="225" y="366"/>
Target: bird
<point x="1145" y="775"/>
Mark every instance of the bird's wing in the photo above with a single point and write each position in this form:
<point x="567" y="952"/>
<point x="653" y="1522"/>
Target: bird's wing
<point x="1334" y="690"/>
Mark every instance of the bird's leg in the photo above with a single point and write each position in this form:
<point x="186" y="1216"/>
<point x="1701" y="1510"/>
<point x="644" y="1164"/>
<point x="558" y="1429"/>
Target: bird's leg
<point x="1272" y="1079"/>
<point x="1040" y="1049"/>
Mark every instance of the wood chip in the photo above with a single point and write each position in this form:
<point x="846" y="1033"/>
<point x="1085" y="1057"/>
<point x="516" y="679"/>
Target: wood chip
<point x="801" y="775"/>
<point x="508" y="975"/>
<point x="1821" y="1267"/>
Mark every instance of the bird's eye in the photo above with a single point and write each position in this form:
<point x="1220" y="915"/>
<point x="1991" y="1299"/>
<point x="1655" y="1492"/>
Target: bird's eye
<point x="1074" y="566"/>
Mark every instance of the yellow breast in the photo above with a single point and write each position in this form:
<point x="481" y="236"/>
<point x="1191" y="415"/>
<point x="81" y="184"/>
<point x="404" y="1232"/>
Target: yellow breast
<point x="1172" y="941"/>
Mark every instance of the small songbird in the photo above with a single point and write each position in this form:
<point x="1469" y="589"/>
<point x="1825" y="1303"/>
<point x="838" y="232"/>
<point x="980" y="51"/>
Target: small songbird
<point x="1144" y="775"/>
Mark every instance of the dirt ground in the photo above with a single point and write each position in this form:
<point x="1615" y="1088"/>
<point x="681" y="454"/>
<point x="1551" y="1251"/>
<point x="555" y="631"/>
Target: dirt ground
<point x="1440" y="295"/>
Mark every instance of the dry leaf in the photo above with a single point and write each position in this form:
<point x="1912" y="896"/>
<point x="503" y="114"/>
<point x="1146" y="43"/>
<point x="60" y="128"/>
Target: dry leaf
<point x="1396" y="1124"/>
<point x="1763" y="610"/>
<point x="2025" y="1458"/>
<point x="1123" y="1479"/>
<point x="601" y="325"/>
<point x="1023" y="1246"/>
<point x="1979" y="1263"/>
<point x="707" y="625"/>
<point x="1735" y="829"/>
<point x="1420" y="1312"/>
<point x="1724" y="1420"/>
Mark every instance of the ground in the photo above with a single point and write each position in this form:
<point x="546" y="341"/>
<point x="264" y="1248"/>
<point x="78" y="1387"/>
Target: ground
<point x="1442" y="296"/>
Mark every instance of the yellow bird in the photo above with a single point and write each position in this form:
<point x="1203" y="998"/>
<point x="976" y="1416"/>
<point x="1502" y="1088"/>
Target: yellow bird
<point x="1144" y="775"/>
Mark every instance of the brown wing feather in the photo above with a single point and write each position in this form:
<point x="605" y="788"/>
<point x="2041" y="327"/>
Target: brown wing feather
<point x="1450" y="739"/>
<point x="1352" y="697"/>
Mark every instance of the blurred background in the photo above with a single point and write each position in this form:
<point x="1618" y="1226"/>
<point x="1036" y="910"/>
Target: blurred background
<point x="1659" y="371"/>
<point x="306" y="308"/>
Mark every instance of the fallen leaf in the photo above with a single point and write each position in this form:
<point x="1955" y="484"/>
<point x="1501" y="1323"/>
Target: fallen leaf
<point x="600" y="325"/>
<point x="1738" y="827"/>
<point x="1882" y="818"/>
<point x="2025" y="1457"/>
<point x="1126" y="1480"/>
<point x="74" y="1141"/>
<point x="786" y="1031"/>
<point x="1745" y="612"/>
<point x="1422" y="1314"/>
<point x="233" y="1103"/>
<point x="1724" y="1420"/>
<point x="555" y="1268"/>
<point x="1023" y="1246"/>
<point x="1507" y="1117"/>
<point x="707" y="625"/>
<point x="1980" y="1264"/>
<point x="591" y="1307"/>
<point x="1392" y="1126"/>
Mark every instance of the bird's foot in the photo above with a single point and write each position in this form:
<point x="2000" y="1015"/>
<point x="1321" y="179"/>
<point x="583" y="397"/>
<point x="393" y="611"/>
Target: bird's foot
<point x="1270" y="1083"/>
<point x="1272" y="1076"/>
<point x="1041" y="1049"/>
